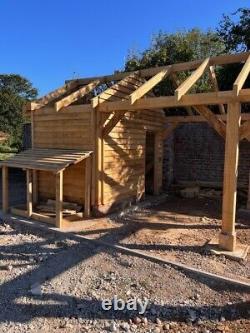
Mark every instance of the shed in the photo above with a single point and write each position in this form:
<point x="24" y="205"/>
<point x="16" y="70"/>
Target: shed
<point x="107" y="132"/>
<point x="99" y="161"/>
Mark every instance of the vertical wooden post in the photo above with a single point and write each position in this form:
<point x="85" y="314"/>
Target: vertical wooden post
<point x="29" y="192"/>
<point x="248" y="201"/>
<point x="59" y="199"/>
<point x="5" y="184"/>
<point x="35" y="186"/>
<point x="227" y="238"/>
<point x="157" y="163"/>
<point x="87" y="187"/>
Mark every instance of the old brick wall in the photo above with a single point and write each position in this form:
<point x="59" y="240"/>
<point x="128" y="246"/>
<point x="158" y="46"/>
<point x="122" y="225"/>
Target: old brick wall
<point x="198" y="155"/>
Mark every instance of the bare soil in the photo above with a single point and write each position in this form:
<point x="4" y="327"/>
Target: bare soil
<point x="75" y="276"/>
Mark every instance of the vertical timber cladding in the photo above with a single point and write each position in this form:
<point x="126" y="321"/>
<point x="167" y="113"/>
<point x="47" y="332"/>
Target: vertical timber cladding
<point x="124" y="155"/>
<point x="70" y="128"/>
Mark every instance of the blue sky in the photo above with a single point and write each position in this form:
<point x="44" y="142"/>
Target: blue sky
<point x="50" y="41"/>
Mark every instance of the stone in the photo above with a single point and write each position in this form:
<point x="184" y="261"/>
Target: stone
<point x="137" y="320"/>
<point x="166" y="327"/>
<point x="125" y="327"/>
<point x="113" y="327"/>
<point x="157" y="330"/>
<point x="158" y="321"/>
<point x="145" y="321"/>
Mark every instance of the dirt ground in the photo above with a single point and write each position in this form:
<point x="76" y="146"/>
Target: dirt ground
<point x="56" y="283"/>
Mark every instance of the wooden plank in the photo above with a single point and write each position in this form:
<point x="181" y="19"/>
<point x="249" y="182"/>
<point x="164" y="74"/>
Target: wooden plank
<point x="157" y="164"/>
<point x="113" y="122"/>
<point x="64" y="102"/>
<point x="29" y="195"/>
<point x="240" y="80"/>
<point x="227" y="238"/>
<point x="87" y="196"/>
<point x="110" y="93"/>
<point x="186" y="66"/>
<point x="245" y="131"/>
<point x="148" y="85"/>
<point x="217" y="124"/>
<point x="59" y="199"/>
<point x="191" y="80"/>
<point x="176" y="83"/>
<point x="214" y="82"/>
<point x="5" y="189"/>
<point x="211" y="98"/>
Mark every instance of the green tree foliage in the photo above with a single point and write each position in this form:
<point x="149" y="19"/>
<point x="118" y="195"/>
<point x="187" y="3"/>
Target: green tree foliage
<point x="14" y="91"/>
<point x="235" y="32"/>
<point x="167" y="49"/>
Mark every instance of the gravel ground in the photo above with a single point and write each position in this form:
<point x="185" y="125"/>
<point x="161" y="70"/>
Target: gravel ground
<point x="51" y="283"/>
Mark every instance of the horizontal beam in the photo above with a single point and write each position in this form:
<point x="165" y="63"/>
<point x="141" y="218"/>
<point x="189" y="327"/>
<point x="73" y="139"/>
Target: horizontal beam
<point x="200" y="119"/>
<point x="239" y="82"/>
<point x="219" y="60"/>
<point x="191" y="80"/>
<point x="148" y="85"/>
<point x="211" y="98"/>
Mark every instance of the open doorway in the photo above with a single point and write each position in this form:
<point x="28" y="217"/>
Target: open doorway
<point x="149" y="163"/>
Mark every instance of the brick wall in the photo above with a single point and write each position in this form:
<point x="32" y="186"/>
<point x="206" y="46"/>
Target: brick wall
<point x="198" y="155"/>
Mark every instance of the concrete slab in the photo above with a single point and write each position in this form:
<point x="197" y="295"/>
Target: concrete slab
<point x="239" y="254"/>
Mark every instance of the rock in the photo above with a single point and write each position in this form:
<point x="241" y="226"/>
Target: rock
<point x="204" y="330"/>
<point x="145" y="321"/>
<point x="137" y="320"/>
<point x="125" y="327"/>
<point x="113" y="327"/>
<point x="9" y="268"/>
<point x="36" y="289"/>
<point x="166" y="327"/>
<point x="222" y="319"/>
<point x="158" y="321"/>
<point x="157" y="330"/>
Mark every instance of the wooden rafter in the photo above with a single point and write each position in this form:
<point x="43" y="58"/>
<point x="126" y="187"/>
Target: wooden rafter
<point x="148" y="85"/>
<point x="218" y="60"/>
<point x="245" y="130"/>
<point x="74" y="96"/>
<point x="211" y="98"/>
<point x="190" y="81"/>
<point x="176" y="83"/>
<point x="117" y="116"/>
<point x="214" y="82"/>
<point x="211" y="118"/>
<point x="43" y="101"/>
<point x="239" y="82"/>
<point x="113" y="91"/>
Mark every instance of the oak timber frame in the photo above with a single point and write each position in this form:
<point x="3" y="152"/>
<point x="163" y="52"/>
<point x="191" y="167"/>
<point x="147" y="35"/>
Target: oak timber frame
<point x="230" y="123"/>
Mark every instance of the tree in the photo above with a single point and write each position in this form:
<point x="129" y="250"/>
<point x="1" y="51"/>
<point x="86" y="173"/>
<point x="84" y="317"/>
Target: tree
<point x="235" y="30"/>
<point x="167" y="49"/>
<point x="14" y="91"/>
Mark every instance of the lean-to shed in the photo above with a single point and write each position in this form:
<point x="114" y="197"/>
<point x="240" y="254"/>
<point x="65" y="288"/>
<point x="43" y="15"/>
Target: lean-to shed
<point x="95" y="160"/>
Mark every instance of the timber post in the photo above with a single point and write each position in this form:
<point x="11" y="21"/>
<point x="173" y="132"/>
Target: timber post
<point x="227" y="237"/>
